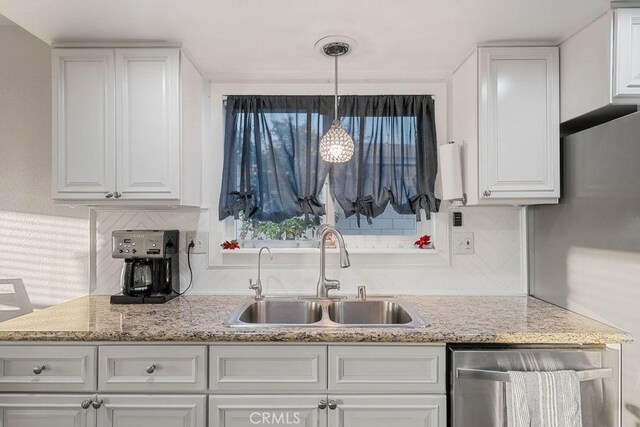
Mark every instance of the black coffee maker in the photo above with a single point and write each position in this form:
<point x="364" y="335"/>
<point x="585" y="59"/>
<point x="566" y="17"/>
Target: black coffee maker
<point x="151" y="269"/>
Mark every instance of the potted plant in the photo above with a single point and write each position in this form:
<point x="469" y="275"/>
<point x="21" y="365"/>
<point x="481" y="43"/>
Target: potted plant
<point x="293" y="232"/>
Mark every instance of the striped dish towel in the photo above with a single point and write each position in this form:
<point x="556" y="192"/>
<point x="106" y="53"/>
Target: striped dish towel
<point x="543" y="399"/>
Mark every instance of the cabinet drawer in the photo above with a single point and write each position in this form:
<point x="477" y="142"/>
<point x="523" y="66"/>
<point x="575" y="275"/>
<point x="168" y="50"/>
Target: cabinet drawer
<point x="47" y="368"/>
<point x="152" y="368"/>
<point x="268" y="368"/>
<point x="387" y="369"/>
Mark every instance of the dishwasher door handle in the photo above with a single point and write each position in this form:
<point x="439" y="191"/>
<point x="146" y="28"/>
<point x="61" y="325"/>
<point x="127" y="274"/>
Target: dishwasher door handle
<point x="502" y="376"/>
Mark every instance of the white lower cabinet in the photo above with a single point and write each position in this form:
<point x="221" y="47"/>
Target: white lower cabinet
<point x="328" y="410"/>
<point x="151" y="411"/>
<point x="277" y="410"/>
<point x="45" y="410"/>
<point x="248" y="385"/>
<point x="388" y="410"/>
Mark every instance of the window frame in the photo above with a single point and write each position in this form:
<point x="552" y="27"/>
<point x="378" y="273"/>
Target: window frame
<point x="372" y="249"/>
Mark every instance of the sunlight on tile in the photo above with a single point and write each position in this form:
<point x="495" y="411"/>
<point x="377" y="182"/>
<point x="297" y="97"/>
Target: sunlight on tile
<point x="49" y="253"/>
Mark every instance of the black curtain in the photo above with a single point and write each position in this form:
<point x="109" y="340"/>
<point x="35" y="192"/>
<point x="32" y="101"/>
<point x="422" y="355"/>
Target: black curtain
<point x="272" y="167"/>
<point x="395" y="158"/>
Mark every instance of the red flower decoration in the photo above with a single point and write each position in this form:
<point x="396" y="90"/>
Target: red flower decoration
<point x="233" y="244"/>
<point x="423" y="242"/>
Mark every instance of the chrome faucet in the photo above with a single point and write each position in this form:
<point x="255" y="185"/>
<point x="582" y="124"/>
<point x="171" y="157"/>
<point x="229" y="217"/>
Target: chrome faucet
<point x="324" y="284"/>
<point x="258" y="285"/>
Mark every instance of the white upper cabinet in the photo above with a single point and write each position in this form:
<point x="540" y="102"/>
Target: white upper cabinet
<point x="600" y="69"/>
<point x="83" y="123"/>
<point x="627" y="54"/>
<point x="506" y="116"/>
<point x="148" y="123"/>
<point x="123" y="132"/>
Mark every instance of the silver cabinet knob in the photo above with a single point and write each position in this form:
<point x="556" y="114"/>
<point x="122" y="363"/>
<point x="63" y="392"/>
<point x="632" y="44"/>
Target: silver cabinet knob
<point x="108" y="195"/>
<point x="322" y="404"/>
<point x="97" y="404"/>
<point x="486" y="193"/>
<point x="38" y="369"/>
<point x="332" y="405"/>
<point x="86" y="404"/>
<point x="151" y="369"/>
<point x="117" y="195"/>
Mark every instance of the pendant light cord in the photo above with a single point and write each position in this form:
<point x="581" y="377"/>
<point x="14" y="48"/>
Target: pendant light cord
<point x="335" y="118"/>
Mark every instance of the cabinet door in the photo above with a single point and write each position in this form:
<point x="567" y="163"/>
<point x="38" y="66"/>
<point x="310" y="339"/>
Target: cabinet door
<point x="519" y="123"/>
<point x="627" y="53"/>
<point x="151" y="411"/>
<point x="83" y="123"/>
<point x="389" y="410"/>
<point x="148" y="123"/>
<point x="40" y="410"/>
<point x="277" y="410"/>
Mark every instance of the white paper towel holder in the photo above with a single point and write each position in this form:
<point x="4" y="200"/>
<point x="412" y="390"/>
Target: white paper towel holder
<point x="464" y="195"/>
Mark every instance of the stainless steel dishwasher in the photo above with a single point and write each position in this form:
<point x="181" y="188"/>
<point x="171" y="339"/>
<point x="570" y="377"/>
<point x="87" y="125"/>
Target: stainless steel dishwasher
<point x="478" y="378"/>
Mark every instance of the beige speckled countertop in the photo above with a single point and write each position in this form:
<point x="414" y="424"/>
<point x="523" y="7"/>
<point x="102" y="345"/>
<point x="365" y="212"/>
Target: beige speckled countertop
<point x="200" y="318"/>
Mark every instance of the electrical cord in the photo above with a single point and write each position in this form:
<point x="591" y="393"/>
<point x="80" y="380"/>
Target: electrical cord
<point x="191" y="245"/>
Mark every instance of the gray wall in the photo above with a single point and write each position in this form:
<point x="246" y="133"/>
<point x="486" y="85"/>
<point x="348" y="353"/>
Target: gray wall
<point x="46" y="245"/>
<point x="585" y="252"/>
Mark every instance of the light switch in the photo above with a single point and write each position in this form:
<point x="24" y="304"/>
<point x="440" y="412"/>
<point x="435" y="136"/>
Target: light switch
<point x="462" y="243"/>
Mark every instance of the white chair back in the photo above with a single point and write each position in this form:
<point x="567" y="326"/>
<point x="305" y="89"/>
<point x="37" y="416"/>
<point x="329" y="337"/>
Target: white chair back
<point x="14" y="300"/>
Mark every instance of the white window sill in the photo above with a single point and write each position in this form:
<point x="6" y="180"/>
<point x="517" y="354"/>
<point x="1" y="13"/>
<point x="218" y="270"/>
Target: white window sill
<point x="303" y="251"/>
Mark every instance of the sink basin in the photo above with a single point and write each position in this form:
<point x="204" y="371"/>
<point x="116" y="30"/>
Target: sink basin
<point x="369" y="313"/>
<point x="282" y="312"/>
<point x="289" y="312"/>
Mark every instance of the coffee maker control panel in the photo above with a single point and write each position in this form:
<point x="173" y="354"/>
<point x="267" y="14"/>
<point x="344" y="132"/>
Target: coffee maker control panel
<point x="144" y="243"/>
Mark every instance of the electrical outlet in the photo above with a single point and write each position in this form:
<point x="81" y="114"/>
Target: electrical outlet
<point x="200" y="240"/>
<point x="462" y="243"/>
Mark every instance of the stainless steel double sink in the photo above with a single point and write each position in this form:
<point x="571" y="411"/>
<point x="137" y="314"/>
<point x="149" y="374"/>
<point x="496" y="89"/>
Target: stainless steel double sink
<point x="333" y="313"/>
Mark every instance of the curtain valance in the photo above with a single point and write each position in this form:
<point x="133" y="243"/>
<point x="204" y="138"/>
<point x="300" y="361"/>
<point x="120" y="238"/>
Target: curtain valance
<point x="395" y="160"/>
<point x="272" y="168"/>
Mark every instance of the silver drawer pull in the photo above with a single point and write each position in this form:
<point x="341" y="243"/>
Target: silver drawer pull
<point x="97" y="404"/>
<point x="322" y="404"/>
<point x="501" y="376"/>
<point x="151" y="369"/>
<point x="332" y="405"/>
<point x="86" y="404"/>
<point x="38" y="369"/>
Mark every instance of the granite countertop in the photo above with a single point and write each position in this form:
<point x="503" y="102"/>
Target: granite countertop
<point x="201" y="318"/>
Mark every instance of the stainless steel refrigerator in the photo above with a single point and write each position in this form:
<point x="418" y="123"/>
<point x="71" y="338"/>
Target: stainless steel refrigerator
<point x="585" y="252"/>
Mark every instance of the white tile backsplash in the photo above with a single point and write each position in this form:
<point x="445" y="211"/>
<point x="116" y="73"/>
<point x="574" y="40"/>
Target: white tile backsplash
<point x="496" y="267"/>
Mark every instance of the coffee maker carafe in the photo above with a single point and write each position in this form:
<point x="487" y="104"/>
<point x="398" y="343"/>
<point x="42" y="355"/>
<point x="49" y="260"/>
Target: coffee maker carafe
<point x="150" y="273"/>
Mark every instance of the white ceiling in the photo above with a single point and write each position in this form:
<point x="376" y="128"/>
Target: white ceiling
<point x="400" y="40"/>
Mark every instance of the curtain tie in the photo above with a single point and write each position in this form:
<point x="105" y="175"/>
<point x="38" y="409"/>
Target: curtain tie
<point x="243" y="203"/>
<point x="423" y="201"/>
<point x="364" y="206"/>
<point x="311" y="206"/>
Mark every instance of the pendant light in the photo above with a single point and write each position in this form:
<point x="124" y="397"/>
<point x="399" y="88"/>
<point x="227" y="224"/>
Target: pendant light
<point x="336" y="146"/>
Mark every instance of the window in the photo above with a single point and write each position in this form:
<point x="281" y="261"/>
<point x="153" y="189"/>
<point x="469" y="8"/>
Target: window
<point x="277" y="188"/>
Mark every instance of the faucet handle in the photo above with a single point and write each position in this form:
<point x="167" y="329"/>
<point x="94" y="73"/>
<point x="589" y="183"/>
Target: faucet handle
<point x="257" y="287"/>
<point x="362" y="292"/>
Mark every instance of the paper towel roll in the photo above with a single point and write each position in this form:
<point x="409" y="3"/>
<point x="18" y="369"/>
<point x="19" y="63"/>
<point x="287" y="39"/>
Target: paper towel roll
<point x="450" y="160"/>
